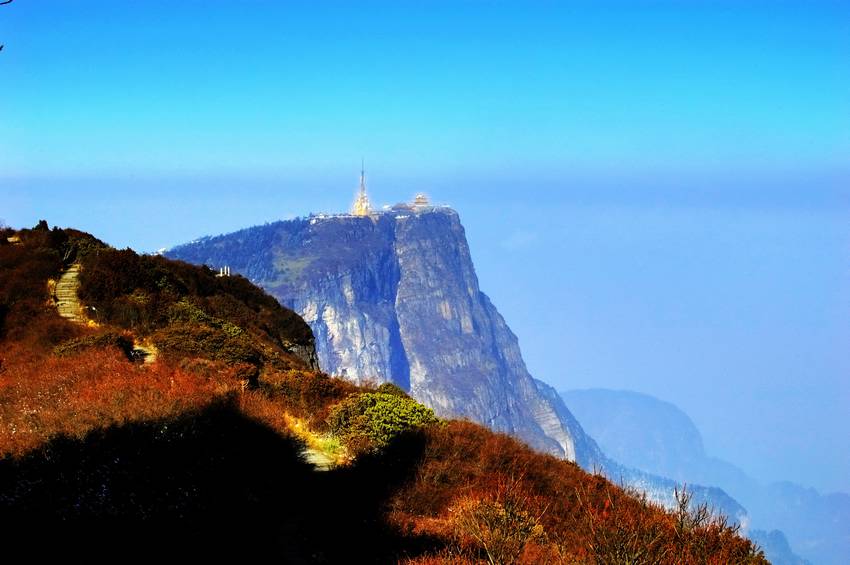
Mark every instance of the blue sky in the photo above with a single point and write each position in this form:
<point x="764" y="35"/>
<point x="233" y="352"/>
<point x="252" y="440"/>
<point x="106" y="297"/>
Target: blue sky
<point x="656" y="193"/>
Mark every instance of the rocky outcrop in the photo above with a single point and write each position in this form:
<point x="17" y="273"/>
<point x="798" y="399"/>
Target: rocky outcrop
<point x="394" y="297"/>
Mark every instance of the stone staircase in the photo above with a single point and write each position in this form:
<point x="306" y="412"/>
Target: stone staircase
<point x="67" y="302"/>
<point x="68" y="305"/>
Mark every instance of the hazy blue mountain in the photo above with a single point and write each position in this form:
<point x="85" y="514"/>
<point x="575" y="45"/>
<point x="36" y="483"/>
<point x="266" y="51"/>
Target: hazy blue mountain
<point x="657" y="437"/>
<point x="776" y="548"/>
<point x="640" y="431"/>
<point x="817" y="524"/>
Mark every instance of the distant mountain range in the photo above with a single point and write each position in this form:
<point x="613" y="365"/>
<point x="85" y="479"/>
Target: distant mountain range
<point x="655" y="436"/>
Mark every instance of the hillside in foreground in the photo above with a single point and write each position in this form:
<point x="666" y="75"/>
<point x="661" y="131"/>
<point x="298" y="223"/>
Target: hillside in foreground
<point x="177" y="407"/>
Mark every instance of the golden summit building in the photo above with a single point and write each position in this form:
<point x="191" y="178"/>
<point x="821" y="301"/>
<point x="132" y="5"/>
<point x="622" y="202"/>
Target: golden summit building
<point x="362" y="207"/>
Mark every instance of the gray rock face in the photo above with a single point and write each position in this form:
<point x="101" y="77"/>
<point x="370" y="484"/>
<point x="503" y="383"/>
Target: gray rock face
<point x="394" y="297"/>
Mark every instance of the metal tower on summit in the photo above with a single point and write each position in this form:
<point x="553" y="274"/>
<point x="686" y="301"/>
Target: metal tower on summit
<point x="361" y="205"/>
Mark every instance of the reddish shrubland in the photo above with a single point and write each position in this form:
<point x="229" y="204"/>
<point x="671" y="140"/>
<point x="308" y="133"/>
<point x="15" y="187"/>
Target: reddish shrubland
<point x="306" y="394"/>
<point x="216" y="334"/>
<point x="47" y="396"/>
<point x="490" y="497"/>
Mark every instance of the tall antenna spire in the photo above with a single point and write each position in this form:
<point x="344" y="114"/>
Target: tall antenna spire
<point x="361" y="205"/>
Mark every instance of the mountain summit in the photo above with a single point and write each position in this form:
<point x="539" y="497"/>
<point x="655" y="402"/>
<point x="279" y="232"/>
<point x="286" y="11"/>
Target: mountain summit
<point x="392" y="296"/>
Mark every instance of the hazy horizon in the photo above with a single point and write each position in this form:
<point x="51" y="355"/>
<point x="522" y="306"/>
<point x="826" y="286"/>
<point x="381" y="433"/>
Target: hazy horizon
<point x="656" y="197"/>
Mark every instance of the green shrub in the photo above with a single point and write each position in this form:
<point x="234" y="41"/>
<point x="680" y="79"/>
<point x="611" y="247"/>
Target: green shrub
<point x="186" y="311"/>
<point x="370" y="421"/>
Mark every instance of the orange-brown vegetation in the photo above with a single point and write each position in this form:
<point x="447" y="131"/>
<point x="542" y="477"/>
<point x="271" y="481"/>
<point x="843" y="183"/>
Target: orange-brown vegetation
<point x="46" y="396"/>
<point x="306" y="394"/>
<point x="196" y="448"/>
<point x="498" y="500"/>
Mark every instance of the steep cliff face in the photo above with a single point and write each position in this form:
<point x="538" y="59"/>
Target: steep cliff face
<point x="394" y="297"/>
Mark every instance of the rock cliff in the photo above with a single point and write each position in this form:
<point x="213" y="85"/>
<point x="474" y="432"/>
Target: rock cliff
<point x="394" y="297"/>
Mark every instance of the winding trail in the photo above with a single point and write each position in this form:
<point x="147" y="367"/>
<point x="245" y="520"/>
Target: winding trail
<point x="69" y="307"/>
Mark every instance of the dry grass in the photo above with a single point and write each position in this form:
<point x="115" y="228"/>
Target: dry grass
<point x="490" y="498"/>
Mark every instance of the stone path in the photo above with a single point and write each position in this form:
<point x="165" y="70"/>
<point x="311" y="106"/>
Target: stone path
<point x="318" y="459"/>
<point x="66" y="295"/>
<point x="68" y="305"/>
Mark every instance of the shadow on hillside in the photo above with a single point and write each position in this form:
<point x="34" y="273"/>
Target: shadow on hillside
<point x="206" y="483"/>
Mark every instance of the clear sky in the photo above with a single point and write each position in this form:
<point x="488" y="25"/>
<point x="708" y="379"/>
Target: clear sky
<point x="656" y="194"/>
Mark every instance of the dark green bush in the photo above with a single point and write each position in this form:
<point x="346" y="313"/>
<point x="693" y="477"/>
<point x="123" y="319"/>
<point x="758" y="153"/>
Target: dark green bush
<point x="148" y="293"/>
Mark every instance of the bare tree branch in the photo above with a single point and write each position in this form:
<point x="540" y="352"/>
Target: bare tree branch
<point x="2" y="2"/>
